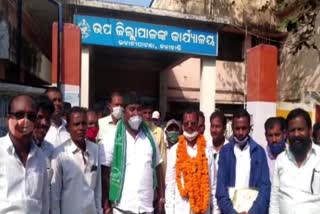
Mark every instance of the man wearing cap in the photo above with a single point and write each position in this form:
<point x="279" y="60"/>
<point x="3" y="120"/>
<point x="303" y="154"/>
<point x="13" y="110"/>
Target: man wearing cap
<point x="172" y="132"/>
<point x="156" y="118"/>
<point x="133" y="160"/>
<point x="156" y="130"/>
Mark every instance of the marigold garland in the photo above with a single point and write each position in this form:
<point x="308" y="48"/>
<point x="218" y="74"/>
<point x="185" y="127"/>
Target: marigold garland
<point x="194" y="174"/>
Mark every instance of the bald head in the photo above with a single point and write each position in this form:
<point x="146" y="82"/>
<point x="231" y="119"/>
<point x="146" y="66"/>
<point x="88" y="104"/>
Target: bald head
<point x="21" y="118"/>
<point x="21" y="102"/>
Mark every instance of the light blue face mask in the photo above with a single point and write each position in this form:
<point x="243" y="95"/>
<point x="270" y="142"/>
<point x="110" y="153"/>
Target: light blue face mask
<point x="277" y="148"/>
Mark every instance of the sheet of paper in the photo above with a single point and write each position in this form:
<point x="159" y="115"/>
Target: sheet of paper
<point x="242" y="199"/>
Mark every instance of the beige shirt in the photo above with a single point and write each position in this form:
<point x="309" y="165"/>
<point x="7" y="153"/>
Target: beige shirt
<point x="159" y="136"/>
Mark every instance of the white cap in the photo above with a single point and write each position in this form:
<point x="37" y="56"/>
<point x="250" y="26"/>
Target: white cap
<point x="156" y="115"/>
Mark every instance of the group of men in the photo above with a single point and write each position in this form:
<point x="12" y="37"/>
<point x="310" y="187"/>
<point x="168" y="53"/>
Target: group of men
<point x="125" y="163"/>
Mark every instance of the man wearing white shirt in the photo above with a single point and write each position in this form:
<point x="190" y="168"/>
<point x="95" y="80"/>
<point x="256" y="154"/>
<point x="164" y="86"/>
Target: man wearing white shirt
<point x="218" y="124"/>
<point x="57" y="133"/>
<point x="190" y="172"/>
<point x="109" y="122"/>
<point x="276" y="135"/>
<point x="24" y="187"/>
<point x="76" y="180"/>
<point x="45" y="110"/>
<point x="133" y="158"/>
<point x="296" y="178"/>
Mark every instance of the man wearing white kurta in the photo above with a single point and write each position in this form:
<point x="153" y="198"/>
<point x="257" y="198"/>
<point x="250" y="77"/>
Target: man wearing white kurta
<point x="133" y="158"/>
<point x="296" y="178"/>
<point x="175" y="203"/>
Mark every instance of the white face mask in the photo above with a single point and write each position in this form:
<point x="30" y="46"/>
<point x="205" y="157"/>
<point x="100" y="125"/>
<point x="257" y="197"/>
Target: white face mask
<point x="135" y="122"/>
<point x="192" y="136"/>
<point x="117" y="112"/>
<point x="241" y="142"/>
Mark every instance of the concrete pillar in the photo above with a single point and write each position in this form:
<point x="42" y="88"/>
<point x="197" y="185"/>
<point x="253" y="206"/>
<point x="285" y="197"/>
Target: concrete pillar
<point x="70" y="75"/>
<point x="163" y="93"/>
<point x="207" y="90"/>
<point x="261" y="87"/>
<point x="85" y="80"/>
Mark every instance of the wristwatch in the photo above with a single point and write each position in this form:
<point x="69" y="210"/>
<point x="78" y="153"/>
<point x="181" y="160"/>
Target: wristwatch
<point x="162" y="200"/>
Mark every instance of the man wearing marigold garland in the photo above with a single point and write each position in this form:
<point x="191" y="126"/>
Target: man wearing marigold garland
<point x="190" y="172"/>
<point x="243" y="165"/>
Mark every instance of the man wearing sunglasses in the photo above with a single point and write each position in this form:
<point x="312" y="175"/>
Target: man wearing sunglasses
<point x="23" y="176"/>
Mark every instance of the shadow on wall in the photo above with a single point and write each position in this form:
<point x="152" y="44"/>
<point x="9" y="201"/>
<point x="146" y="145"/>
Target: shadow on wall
<point x="231" y="77"/>
<point x="299" y="73"/>
<point x="184" y="81"/>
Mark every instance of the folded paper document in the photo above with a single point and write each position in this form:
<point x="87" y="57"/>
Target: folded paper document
<point x="242" y="199"/>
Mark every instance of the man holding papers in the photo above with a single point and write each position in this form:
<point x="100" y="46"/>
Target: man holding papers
<point x="243" y="170"/>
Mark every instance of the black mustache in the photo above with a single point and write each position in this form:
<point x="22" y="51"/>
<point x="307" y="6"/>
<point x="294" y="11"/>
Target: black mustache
<point x="43" y="127"/>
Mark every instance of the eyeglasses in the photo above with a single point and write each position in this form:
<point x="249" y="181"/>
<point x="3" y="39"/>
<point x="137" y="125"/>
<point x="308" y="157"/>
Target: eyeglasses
<point x="21" y="114"/>
<point x="189" y="123"/>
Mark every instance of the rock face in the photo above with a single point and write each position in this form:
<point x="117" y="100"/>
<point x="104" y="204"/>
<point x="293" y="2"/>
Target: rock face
<point x="299" y="72"/>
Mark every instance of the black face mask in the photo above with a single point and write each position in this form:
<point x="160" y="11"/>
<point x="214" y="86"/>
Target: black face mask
<point x="299" y="147"/>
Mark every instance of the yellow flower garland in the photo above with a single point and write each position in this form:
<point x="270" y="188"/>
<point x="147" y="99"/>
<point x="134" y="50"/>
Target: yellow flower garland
<point x="195" y="175"/>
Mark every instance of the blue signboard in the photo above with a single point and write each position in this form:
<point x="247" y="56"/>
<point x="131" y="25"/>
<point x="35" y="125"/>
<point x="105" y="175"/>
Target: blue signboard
<point x="129" y="34"/>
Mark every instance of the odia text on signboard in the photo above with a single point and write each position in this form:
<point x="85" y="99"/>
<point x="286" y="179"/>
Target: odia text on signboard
<point x="130" y="34"/>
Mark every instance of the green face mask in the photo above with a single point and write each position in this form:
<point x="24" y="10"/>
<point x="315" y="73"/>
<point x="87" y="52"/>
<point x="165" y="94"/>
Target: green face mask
<point x="173" y="136"/>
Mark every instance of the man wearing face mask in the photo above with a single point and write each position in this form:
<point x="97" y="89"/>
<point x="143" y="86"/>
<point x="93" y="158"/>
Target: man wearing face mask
<point x="93" y="126"/>
<point x="109" y="122"/>
<point x="133" y="161"/>
<point x="276" y="135"/>
<point x="24" y="184"/>
<point x="243" y="165"/>
<point x="190" y="172"/>
<point x="296" y="178"/>
<point x="172" y="133"/>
